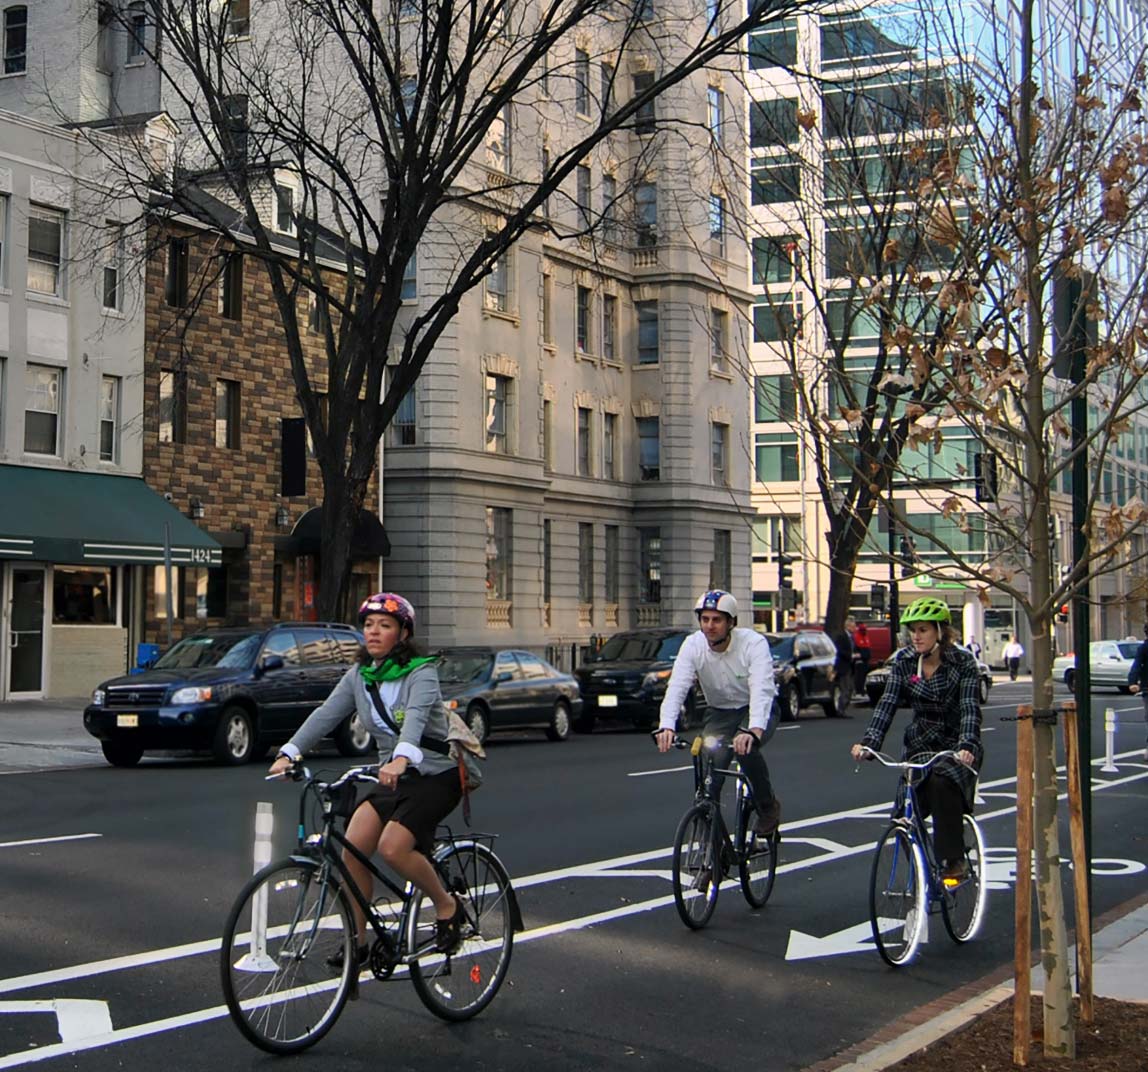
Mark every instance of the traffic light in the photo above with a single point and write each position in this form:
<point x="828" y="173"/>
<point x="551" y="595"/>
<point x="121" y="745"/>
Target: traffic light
<point x="1062" y="613"/>
<point x="908" y="556"/>
<point x="985" y="477"/>
<point x="877" y="593"/>
<point x="784" y="570"/>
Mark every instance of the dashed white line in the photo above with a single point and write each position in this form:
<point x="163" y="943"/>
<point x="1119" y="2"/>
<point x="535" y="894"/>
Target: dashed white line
<point x="47" y="840"/>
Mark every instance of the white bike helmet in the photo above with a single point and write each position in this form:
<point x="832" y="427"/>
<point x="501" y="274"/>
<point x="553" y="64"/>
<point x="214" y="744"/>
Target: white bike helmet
<point x="716" y="600"/>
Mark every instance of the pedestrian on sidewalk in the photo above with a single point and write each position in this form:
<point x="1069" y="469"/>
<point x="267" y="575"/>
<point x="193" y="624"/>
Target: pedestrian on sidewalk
<point x="1138" y="679"/>
<point x="1013" y="653"/>
<point x="862" y="653"/>
<point x="973" y="646"/>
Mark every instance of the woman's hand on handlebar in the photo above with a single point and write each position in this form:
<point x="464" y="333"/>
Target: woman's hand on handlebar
<point x="966" y="757"/>
<point x="664" y="739"/>
<point x="390" y="773"/>
<point x="860" y="752"/>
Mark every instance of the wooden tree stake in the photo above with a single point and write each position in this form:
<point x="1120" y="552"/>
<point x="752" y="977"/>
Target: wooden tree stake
<point x="1022" y="949"/>
<point x="1079" y="863"/>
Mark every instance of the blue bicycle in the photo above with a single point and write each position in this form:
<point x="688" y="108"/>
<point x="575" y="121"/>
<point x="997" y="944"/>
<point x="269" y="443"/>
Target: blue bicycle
<point x="906" y="883"/>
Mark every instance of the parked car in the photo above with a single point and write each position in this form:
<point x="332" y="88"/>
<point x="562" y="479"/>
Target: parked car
<point x="875" y="682"/>
<point x="803" y="674"/>
<point x="235" y="692"/>
<point x="1108" y="661"/>
<point x="626" y="679"/>
<point x="510" y="689"/>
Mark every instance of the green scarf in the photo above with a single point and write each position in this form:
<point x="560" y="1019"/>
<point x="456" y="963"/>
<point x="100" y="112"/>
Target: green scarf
<point x="389" y="670"/>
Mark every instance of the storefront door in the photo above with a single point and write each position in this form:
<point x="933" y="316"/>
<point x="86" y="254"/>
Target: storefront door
<point x="22" y="660"/>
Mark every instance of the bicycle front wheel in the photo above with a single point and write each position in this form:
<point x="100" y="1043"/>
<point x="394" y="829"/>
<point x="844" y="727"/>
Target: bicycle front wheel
<point x="460" y="985"/>
<point x="697" y="867"/>
<point x="287" y="956"/>
<point x="758" y="866"/>
<point x="897" y="897"/>
<point x="963" y="903"/>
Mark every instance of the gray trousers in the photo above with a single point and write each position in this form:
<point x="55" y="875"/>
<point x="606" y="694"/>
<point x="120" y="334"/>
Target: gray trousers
<point x="724" y="722"/>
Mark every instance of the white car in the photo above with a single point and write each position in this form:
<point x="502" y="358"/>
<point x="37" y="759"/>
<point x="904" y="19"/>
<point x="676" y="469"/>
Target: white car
<point x="1109" y="662"/>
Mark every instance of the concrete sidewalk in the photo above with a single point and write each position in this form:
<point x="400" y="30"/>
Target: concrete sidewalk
<point x="46" y="735"/>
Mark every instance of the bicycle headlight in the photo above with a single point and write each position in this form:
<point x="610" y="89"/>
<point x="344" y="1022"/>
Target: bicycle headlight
<point x="191" y="694"/>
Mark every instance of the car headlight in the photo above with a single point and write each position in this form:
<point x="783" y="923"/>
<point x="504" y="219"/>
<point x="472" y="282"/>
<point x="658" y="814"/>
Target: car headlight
<point x="192" y="694"/>
<point x="654" y="676"/>
<point x="98" y="697"/>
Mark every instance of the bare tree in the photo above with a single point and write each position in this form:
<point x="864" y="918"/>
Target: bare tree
<point x="405" y="130"/>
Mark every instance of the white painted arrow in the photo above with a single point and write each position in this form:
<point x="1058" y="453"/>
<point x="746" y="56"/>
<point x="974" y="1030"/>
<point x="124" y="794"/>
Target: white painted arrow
<point x="855" y="939"/>
<point x="75" y="1019"/>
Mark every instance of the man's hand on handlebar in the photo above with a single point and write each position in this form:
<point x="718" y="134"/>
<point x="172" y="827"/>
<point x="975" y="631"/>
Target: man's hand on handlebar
<point x="745" y="741"/>
<point x="664" y="738"/>
<point x="281" y="767"/>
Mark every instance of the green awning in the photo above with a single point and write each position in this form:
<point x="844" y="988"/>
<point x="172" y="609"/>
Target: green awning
<point x="58" y="515"/>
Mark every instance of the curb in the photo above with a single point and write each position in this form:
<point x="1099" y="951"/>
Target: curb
<point x="922" y="1027"/>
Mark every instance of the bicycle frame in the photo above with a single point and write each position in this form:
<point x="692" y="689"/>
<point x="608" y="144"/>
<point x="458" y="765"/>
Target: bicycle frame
<point x="705" y="792"/>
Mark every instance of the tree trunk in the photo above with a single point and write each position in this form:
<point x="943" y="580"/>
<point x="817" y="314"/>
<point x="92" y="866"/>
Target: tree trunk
<point x="840" y="592"/>
<point x="342" y="500"/>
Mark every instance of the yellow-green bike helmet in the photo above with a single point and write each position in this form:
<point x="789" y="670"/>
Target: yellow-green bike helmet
<point x="927" y="609"/>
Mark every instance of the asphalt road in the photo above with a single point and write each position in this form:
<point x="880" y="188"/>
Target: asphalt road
<point x="114" y="885"/>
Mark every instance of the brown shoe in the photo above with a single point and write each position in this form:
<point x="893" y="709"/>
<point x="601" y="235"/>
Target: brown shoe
<point x="955" y="873"/>
<point x="768" y="819"/>
<point x="448" y="932"/>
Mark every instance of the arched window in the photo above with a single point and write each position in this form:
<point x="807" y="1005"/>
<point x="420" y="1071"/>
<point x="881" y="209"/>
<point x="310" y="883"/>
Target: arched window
<point x="15" y="40"/>
<point x="137" y="31"/>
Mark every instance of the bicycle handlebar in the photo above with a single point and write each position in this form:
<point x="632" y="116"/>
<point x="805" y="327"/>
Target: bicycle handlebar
<point x="712" y="743"/>
<point x="901" y="764"/>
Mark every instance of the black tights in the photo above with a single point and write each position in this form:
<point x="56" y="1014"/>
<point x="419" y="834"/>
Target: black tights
<point x="944" y="800"/>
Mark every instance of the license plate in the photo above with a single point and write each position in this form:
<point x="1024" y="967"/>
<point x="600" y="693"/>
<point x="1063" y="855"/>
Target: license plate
<point x="607" y="700"/>
<point x="127" y="721"/>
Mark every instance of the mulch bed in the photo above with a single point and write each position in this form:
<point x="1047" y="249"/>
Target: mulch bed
<point x="1116" y="1041"/>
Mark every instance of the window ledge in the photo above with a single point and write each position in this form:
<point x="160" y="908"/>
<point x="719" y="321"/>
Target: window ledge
<point x="135" y="63"/>
<point x="498" y="314"/>
<point x="550" y="348"/>
<point x="720" y="374"/>
<point x="5" y="292"/>
<point x="114" y="314"/>
<point x="612" y="363"/>
<point x="13" y="74"/>
<point x="48" y="299"/>
<point x="585" y="355"/>
<point x="637" y="365"/>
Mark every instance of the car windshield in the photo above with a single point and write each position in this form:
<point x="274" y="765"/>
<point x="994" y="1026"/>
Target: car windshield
<point x="236" y="650"/>
<point x="781" y="648"/>
<point x="636" y="647"/>
<point x="1129" y="650"/>
<point x="461" y="668"/>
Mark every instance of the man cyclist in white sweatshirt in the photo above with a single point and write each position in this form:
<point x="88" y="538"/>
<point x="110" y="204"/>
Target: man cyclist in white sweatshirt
<point x="735" y="670"/>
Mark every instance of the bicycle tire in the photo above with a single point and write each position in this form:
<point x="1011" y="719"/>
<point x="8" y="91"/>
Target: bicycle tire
<point x="898" y="904"/>
<point x="963" y="906"/>
<point x="757" y="867"/>
<point x="461" y="985"/>
<point x="280" y="989"/>
<point x="697" y="870"/>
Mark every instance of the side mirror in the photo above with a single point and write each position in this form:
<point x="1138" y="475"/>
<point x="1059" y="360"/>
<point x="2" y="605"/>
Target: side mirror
<point x="271" y="662"/>
<point x="503" y="675"/>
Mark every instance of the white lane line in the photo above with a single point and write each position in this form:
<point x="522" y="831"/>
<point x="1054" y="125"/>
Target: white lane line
<point x="47" y="840"/>
<point x="662" y="770"/>
<point x="75" y="1019"/>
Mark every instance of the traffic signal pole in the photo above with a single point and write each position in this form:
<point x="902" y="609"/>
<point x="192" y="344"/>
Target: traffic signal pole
<point x="894" y="594"/>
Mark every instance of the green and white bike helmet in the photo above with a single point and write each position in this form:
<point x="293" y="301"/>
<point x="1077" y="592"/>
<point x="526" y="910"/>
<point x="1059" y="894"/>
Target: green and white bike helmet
<point x="927" y="609"/>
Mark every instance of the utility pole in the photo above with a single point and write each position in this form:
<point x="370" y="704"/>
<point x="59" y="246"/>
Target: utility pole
<point x="894" y="593"/>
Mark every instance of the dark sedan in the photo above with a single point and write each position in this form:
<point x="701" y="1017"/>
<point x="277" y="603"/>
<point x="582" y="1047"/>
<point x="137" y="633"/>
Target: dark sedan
<point x="875" y="682"/>
<point x="510" y="689"/>
<point x="803" y="673"/>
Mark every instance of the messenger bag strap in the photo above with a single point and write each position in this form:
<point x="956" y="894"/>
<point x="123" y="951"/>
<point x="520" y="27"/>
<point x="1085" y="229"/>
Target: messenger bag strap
<point x="381" y="708"/>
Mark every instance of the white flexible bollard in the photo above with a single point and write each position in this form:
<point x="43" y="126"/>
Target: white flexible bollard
<point x="1110" y="727"/>
<point x="257" y="959"/>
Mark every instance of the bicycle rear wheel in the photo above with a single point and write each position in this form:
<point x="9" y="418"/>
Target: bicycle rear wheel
<point x="897" y="896"/>
<point x="461" y="985"/>
<point x="758" y="867"/>
<point x="288" y="923"/>
<point x="697" y="866"/>
<point x="963" y="905"/>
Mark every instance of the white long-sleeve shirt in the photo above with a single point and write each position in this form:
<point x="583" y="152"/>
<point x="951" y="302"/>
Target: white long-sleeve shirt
<point x="739" y="676"/>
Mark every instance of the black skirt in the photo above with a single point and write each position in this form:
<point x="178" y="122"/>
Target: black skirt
<point x="419" y="803"/>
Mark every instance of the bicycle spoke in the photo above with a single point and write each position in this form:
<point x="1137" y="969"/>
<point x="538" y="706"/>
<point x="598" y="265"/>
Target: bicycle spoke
<point x="897" y="897"/>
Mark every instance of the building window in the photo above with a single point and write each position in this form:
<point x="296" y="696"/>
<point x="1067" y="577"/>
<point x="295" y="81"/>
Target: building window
<point x="607" y="94"/>
<point x="774" y="182"/>
<point x="3" y="240"/>
<point x="498" y="560"/>
<point x="238" y="15"/>
<point x="646" y="117"/>
<point x="45" y="251"/>
<point x="42" y="390"/>
<point x="172" y="406"/>
<point x="498" y="141"/>
<point x="647" y="332"/>
<point x="83" y="595"/>
<point x="109" y="418"/>
<point x="719" y="453"/>
<point x="277" y="590"/>
<point x="498" y="401"/>
<point x="497" y="290"/>
<point x="284" y="208"/>
<point x="610" y="327"/>
<point x="717" y="222"/>
<point x="715" y="105"/>
<point x="175" y="280"/>
<point x="546" y="552"/>
<point x="649" y="565"/>
<point x="583" y="441"/>
<point x="713" y="18"/>
<point x="774" y="399"/>
<point x="544" y="178"/>
<point x="403" y="424"/>
<point x="720" y="563"/>
<point x="581" y="82"/>
<point x="775" y="458"/>
<point x="609" y="208"/>
<point x="611" y="563"/>
<point x="547" y="434"/>
<point x="231" y="287"/>
<point x="774" y="259"/>
<point x="113" y="267"/>
<point x="582" y="194"/>
<point x="719" y="340"/>
<point x="646" y="213"/>
<point x="410" y="290"/>
<point x="649" y="449"/>
<point x="544" y="77"/>
<point x="235" y="129"/>
<point x="774" y="533"/>
<point x="316" y="315"/>
<point x="137" y="31"/>
<point x="610" y="446"/>
<point x="777" y="318"/>
<point x="15" y="40"/>
<point x="585" y="563"/>
<point x="582" y="320"/>
<point x="774" y="46"/>
<point x="773" y="122"/>
<point x="227" y="414"/>
<point x="548" y="309"/>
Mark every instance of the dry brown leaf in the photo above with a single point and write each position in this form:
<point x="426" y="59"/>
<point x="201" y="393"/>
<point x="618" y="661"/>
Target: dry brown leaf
<point x="1114" y="204"/>
<point x="806" y="119"/>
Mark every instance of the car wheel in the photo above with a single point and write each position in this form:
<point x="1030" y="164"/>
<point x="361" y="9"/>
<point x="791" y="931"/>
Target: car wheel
<point x="478" y="721"/>
<point x="838" y="702"/>
<point x="1070" y="680"/>
<point x="234" y="742"/>
<point x="352" y="738"/>
<point x="983" y="688"/>
<point x="559" y="728"/>
<point x="792" y="701"/>
<point x="121" y="753"/>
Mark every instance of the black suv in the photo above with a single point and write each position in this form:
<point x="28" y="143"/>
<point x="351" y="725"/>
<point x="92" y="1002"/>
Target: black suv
<point x="803" y="674"/>
<point x="627" y="679"/>
<point x="236" y="692"/>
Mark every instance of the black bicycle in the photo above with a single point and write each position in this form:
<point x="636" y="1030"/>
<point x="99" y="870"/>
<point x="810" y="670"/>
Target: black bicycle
<point x="288" y="960"/>
<point x="704" y="851"/>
